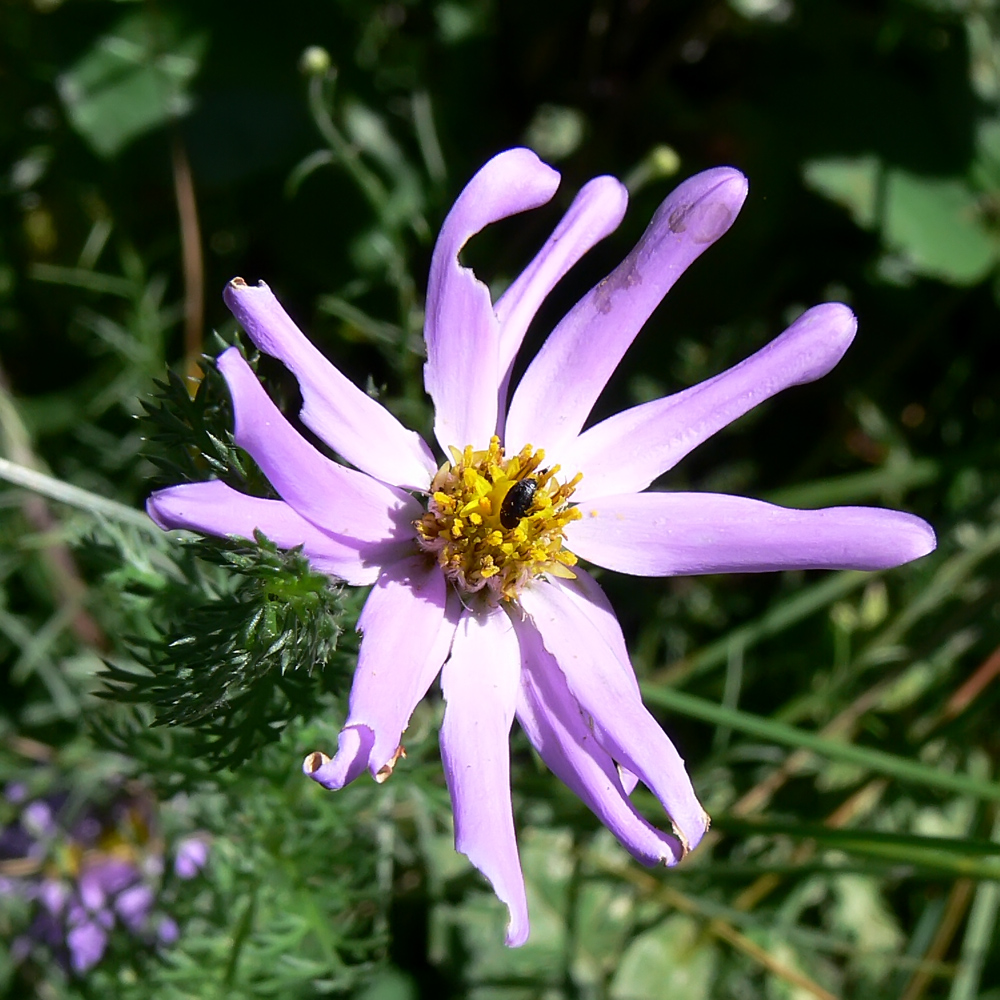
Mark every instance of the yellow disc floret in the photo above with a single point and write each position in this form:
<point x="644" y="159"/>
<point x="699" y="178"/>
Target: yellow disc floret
<point x="494" y="522"/>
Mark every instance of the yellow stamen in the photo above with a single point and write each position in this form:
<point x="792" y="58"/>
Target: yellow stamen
<point x="465" y="524"/>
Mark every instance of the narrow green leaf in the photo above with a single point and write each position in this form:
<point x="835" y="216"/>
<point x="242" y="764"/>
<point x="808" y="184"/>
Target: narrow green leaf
<point x="778" y="732"/>
<point x="858" y="486"/>
<point x="799" y="606"/>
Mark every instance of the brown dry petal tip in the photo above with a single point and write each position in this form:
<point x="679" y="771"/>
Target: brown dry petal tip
<point x="385" y="772"/>
<point x="314" y="762"/>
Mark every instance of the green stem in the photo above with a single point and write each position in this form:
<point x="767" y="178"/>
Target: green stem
<point x="73" y="496"/>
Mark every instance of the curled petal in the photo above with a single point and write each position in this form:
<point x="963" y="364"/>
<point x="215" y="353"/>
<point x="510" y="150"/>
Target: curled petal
<point x="480" y="683"/>
<point x="337" y="499"/>
<point x="595" y="212"/>
<point x="552" y="719"/>
<point x="354" y="748"/>
<point x="407" y="634"/>
<point x="564" y="380"/>
<point x="213" y="508"/>
<point x="626" y="452"/>
<point x="408" y="629"/>
<point x="618" y="719"/>
<point x="353" y="424"/>
<point x="462" y="374"/>
<point x="677" y="534"/>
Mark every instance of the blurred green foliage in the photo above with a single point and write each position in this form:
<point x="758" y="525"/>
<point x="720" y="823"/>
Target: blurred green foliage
<point x="840" y="727"/>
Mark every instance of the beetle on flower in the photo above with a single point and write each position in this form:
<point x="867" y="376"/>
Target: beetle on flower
<point x="474" y="561"/>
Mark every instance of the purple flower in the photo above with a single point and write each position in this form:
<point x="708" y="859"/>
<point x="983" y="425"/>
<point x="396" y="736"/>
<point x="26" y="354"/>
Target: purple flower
<point x="474" y="561"/>
<point x="167" y="931"/>
<point x="86" y="942"/>
<point x="133" y="906"/>
<point x="89" y="877"/>
<point x="192" y="853"/>
<point x="103" y="878"/>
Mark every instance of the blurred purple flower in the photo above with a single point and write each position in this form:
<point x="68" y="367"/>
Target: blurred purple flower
<point x="133" y="906"/>
<point x="192" y="853"/>
<point x="167" y="932"/>
<point x="16" y="792"/>
<point x="473" y="562"/>
<point x="86" y="940"/>
<point x="85" y="878"/>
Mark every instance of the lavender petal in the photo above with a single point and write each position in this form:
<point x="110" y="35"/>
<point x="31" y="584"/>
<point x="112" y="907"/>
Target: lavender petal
<point x="618" y="719"/>
<point x="558" y="730"/>
<point x="407" y="635"/>
<point x="596" y="212"/>
<point x="104" y="878"/>
<point x="133" y="906"/>
<point x="462" y="374"/>
<point x="679" y="534"/>
<point x="588" y="596"/>
<point x="353" y="424"/>
<point x="337" y="499"/>
<point x="213" y="508"/>
<point x="626" y="452"/>
<point x="192" y="853"/>
<point x="567" y="375"/>
<point x="86" y="943"/>
<point x="167" y="931"/>
<point x="354" y="747"/>
<point x="480" y="683"/>
<point x="53" y="894"/>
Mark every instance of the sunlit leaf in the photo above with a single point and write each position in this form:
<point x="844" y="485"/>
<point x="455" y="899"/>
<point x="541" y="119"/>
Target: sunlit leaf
<point x="131" y="81"/>
<point x="934" y="225"/>
<point x="672" y="959"/>
<point x="850" y="183"/>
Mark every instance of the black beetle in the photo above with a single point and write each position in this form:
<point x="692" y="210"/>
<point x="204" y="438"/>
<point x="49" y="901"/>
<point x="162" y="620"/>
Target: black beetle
<point x="517" y="502"/>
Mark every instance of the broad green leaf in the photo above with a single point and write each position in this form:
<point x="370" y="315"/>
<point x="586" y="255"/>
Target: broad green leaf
<point x="132" y="80"/>
<point x="986" y="166"/>
<point x="851" y="183"/>
<point x="937" y="225"/>
<point x="672" y="959"/>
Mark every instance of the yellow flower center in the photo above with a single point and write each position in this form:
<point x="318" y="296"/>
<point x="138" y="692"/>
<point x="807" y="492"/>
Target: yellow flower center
<point x="496" y="523"/>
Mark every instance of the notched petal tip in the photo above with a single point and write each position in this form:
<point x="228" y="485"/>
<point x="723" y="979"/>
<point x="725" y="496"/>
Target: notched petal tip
<point x="687" y="843"/>
<point x="239" y="284"/>
<point x="384" y="773"/>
